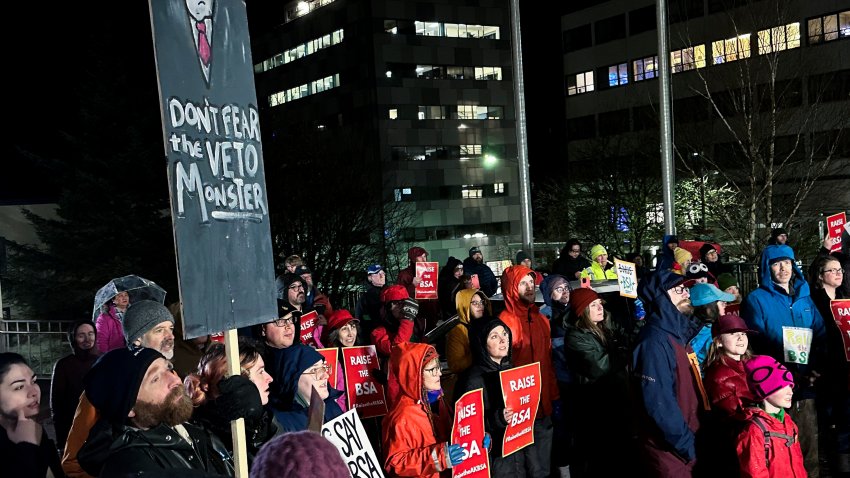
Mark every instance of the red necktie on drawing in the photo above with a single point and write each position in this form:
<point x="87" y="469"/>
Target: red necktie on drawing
<point x="203" y="43"/>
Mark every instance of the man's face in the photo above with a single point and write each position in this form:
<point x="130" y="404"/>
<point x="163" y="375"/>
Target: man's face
<point x="781" y="271"/>
<point x="280" y="334"/>
<point x="478" y="257"/>
<point x="296" y="294"/>
<point x="680" y="296"/>
<point x="308" y="278"/>
<point x="782" y="238"/>
<point x="160" y="338"/>
<point x="378" y="279"/>
<point x="526" y="263"/>
<point x="526" y="289"/>
<point x="84" y="337"/>
<point x="638" y="261"/>
<point x="199" y="9"/>
<point x="561" y="293"/>
<point x="161" y="398"/>
<point x="672" y="245"/>
<point x="711" y="256"/>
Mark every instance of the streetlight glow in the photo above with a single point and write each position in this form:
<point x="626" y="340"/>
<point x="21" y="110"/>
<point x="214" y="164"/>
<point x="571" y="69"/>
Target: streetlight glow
<point x="490" y="160"/>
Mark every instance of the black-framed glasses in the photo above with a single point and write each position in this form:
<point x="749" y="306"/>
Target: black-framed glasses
<point x="477" y="303"/>
<point x="433" y="371"/>
<point x="834" y="271"/>
<point x="561" y="289"/>
<point x="680" y="289"/>
<point x="284" y="322"/>
<point x="319" y="371"/>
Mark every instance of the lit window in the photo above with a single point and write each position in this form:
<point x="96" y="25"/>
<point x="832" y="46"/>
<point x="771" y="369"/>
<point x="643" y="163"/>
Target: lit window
<point x="580" y="83"/>
<point x="307" y="89"/>
<point x="391" y="26"/>
<point x="499" y="188"/>
<point x="829" y="27"/>
<point x="465" y="112"/>
<point x="618" y="74"/>
<point x="402" y="194"/>
<point x="779" y="38"/>
<point x="488" y="73"/>
<point x="645" y="68"/>
<point x="300" y="51"/>
<point x="470" y="191"/>
<point x="456" y="30"/>
<point x="687" y="58"/>
<point x="731" y="49"/>
<point x="432" y="112"/>
<point x="470" y="149"/>
<point x="389" y="74"/>
<point x="393" y="113"/>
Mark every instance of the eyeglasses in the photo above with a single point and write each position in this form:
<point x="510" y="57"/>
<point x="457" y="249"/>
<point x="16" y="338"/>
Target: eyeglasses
<point x="284" y="322"/>
<point x="297" y="286"/>
<point x="477" y="303"/>
<point x="434" y="371"/>
<point x="834" y="271"/>
<point x="680" y="289"/>
<point x="319" y="371"/>
<point x="562" y="289"/>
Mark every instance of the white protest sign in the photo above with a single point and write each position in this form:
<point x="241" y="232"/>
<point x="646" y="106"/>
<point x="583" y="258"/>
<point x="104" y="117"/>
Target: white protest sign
<point x="797" y="343"/>
<point x="626" y="278"/>
<point x="348" y="436"/>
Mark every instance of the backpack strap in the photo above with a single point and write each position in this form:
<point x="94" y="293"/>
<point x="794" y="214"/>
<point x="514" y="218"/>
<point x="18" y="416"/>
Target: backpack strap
<point x="789" y="440"/>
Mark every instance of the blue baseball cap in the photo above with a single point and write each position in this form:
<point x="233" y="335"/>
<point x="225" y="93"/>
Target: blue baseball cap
<point x="702" y="294"/>
<point x="374" y="269"/>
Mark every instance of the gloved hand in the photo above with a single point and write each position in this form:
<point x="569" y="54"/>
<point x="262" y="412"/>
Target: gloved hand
<point x="486" y="443"/>
<point x="239" y="399"/>
<point x="557" y="412"/>
<point x="456" y="455"/>
<point x="409" y="309"/>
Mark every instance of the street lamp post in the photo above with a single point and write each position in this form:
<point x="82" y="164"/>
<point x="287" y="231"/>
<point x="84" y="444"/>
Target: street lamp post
<point x="522" y="146"/>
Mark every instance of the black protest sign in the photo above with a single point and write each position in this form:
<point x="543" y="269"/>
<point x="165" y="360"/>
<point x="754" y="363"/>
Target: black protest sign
<point x="211" y="133"/>
<point x="347" y="434"/>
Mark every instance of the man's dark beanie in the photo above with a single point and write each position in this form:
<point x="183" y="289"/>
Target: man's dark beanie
<point x="142" y="316"/>
<point x="113" y="382"/>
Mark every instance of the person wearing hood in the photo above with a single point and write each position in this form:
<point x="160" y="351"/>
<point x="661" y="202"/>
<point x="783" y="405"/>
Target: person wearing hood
<point x="110" y="332"/>
<point x="397" y="318"/>
<point x="474" y="265"/>
<point x="472" y="305"/>
<point x="668" y="245"/>
<point x="670" y="388"/>
<point x="298" y="371"/>
<point x="709" y="304"/>
<point x="447" y="284"/>
<point x="709" y="256"/>
<point x="682" y="258"/>
<point x="597" y="349"/>
<point x="571" y="262"/>
<point x="600" y="267"/>
<point x="782" y="301"/>
<point x="531" y="343"/>
<point x="490" y="344"/>
<point x="67" y="385"/>
<point x="416" y="432"/>
<point x="429" y="309"/>
<point x="218" y="399"/>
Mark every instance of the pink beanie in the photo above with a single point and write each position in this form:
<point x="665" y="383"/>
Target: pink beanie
<point x="302" y="453"/>
<point x="765" y="376"/>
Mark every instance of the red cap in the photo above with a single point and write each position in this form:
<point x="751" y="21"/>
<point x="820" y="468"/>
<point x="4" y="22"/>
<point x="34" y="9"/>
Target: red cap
<point x="581" y="298"/>
<point x="394" y="292"/>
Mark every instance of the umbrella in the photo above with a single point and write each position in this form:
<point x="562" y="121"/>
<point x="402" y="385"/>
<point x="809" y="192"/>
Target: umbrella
<point x="137" y="287"/>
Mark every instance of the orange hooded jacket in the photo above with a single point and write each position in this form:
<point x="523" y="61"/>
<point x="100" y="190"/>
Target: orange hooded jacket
<point x="532" y="337"/>
<point x="415" y="440"/>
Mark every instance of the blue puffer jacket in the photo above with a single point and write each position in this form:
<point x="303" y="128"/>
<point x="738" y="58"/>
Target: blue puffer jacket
<point x="556" y="314"/>
<point x="289" y="410"/>
<point x="666" y="381"/>
<point x="769" y="308"/>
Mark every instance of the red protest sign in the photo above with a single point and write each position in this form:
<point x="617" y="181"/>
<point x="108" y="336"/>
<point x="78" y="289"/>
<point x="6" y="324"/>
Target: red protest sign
<point x="841" y="315"/>
<point x="308" y="326"/>
<point x="468" y="432"/>
<point x="363" y="391"/>
<point x="427" y="273"/>
<point x="332" y="358"/>
<point x="217" y="337"/>
<point x="835" y="226"/>
<point x="521" y="391"/>
<point x="476" y="284"/>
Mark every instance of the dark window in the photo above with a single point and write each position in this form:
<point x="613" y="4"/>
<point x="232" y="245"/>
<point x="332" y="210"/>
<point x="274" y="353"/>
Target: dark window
<point x="642" y="20"/>
<point x="645" y="117"/>
<point x="690" y="110"/>
<point x="577" y="38"/>
<point x="611" y="29"/>
<point x="583" y="127"/>
<point x="788" y="94"/>
<point x="613" y="122"/>
<point x="681" y="10"/>
<point x="834" y="86"/>
<point x="715" y="6"/>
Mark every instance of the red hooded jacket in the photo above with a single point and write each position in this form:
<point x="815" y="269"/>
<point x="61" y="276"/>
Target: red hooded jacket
<point x="414" y="440"/>
<point x="785" y="461"/>
<point x="531" y="334"/>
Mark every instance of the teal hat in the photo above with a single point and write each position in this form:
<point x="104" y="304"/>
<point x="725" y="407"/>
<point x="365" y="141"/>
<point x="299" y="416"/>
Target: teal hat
<point x="702" y="294"/>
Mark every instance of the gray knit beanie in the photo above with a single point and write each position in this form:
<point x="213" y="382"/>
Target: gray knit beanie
<point x="142" y="316"/>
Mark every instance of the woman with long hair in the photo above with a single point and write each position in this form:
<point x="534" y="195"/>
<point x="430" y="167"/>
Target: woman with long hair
<point x="342" y="330"/>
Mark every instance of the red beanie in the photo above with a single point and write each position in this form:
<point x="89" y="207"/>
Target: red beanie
<point x="394" y="292"/>
<point x="581" y="298"/>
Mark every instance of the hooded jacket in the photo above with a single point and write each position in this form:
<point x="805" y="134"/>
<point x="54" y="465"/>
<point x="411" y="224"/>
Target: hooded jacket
<point x="67" y="383"/>
<point x="530" y="332"/>
<point x="457" y="340"/>
<point x="484" y="374"/>
<point x="715" y="268"/>
<point x="595" y="271"/>
<point x="769" y="308"/>
<point x="559" y="315"/>
<point x="667" y="382"/>
<point x="446" y="285"/>
<point x="414" y="439"/>
<point x="110" y="332"/>
<point x="486" y="278"/>
<point x="667" y="259"/>
<point x="406" y="275"/>
<point x="785" y="461"/>
<point x="566" y="266"/>
<point x="290" y="412"/>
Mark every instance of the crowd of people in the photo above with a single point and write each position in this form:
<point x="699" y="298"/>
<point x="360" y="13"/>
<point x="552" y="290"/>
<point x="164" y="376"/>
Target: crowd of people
<point x="692" y="378"/>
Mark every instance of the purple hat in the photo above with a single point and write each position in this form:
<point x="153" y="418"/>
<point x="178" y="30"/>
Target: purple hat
<point x="730" y="323"/>
<point x="766" y="376"/>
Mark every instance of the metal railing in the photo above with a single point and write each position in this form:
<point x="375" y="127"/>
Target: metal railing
<point x="41" y="342"/>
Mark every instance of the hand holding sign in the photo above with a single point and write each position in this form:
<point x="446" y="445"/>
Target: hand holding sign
<point x="521" y="391"/>
<point x="469" y="440"/>
<point x="835" y="225"/>
<point x="841" y="315"/>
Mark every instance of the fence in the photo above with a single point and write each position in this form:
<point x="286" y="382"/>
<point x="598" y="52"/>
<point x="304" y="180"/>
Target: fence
<point x="41" y="342"/>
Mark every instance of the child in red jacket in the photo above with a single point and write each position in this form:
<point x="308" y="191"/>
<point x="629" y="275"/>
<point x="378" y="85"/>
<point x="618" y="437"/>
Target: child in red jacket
<point x="768" y="446"/>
